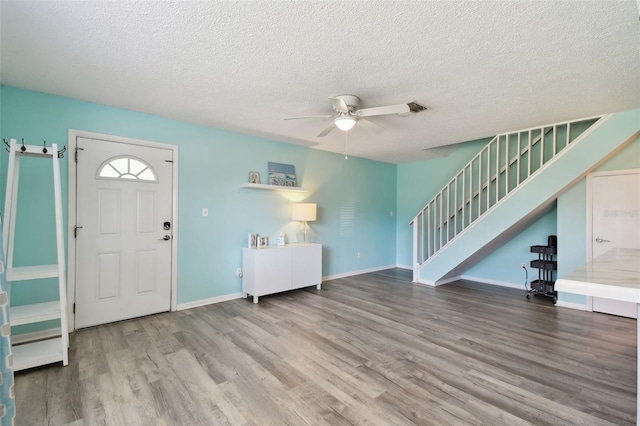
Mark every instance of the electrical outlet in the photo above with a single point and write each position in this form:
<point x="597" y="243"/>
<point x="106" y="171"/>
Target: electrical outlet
<point x="524" y="265"/>
<point x="205" y="212"/>
<point x="239" y="272"/>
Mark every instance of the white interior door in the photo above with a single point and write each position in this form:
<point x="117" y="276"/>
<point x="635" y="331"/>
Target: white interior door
<point x="123" y="246"/>
<point x="615" y="219"/>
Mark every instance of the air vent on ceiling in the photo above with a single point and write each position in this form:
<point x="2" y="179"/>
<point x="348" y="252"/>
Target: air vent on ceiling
<point x="416" y="107"/>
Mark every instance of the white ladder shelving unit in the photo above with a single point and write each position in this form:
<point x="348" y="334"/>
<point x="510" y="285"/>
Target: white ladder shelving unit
<point x="53" y="349"/>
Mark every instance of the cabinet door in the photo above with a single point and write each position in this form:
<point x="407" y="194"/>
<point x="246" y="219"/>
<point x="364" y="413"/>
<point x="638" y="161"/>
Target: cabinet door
<point x="306" y="265"/>
<point x="273" y="271"/>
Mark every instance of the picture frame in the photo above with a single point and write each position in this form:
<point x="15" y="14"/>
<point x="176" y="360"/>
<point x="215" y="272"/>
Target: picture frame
<point x="253" y="241"/>
<point x="263" y="242"/>
<point x="254" y="177"/>
<point x="282" y="174"/>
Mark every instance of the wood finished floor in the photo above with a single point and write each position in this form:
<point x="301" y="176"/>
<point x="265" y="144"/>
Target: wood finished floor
<point x="372" y="349"/>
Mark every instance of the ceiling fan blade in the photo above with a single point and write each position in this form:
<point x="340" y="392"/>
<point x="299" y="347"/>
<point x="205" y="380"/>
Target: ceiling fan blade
<point x="339" y="104"/>
<point x="304" y="117"/>
<point x="370" y="125"/>
<point x="384" y="110"/>
<point x="326" y="131"/>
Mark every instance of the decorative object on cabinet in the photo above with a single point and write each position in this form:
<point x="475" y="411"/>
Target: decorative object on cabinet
<point x="304" y="212"/>
<point x="545" y="284"/>
<point x="254" y="177"/>
<point x="263" y="242"/>
<point x="277" y="269"/>
<point x="281" y="239"/>
<point x="282" y="174"/>
<point x="253" y="241"/>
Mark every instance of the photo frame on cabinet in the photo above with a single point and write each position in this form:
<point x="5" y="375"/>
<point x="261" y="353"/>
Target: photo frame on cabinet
<point x="254" y="177"/>
<point x="263" y="242"/>
<point x="253" y="241"/>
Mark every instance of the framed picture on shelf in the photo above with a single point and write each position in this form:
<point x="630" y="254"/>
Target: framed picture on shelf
<point x="282" y="174"/>
<point x="253" y="241"/>
<point x="263" y="242"/>
<point x="254" y="177"/>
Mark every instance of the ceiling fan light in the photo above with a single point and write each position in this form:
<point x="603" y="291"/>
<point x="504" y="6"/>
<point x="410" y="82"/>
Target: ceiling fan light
<point x="345" y="123"/>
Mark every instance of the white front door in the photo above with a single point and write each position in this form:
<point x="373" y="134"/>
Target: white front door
<point x="123" y="243"/>
<point x="615" y="220"/>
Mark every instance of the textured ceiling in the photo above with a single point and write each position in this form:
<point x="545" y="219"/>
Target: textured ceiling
<point x="482" y="67"/>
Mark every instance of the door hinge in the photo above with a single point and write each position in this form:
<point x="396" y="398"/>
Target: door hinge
<point x="75" y="231"/>
<point x="74" y="307"/>
<point x="76" y="154"/>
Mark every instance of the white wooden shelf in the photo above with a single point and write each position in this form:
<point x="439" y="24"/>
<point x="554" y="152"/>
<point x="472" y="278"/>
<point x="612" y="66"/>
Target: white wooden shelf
<point x="46" y="351"/>
<point x="36" y="312"/>
<point x="33" y="354"/>
<point x="274" y="187"/>
<point x="23" y="273"/>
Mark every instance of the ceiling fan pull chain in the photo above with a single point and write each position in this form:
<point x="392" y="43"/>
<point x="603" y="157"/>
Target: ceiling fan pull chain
<point x="346" y="157"/>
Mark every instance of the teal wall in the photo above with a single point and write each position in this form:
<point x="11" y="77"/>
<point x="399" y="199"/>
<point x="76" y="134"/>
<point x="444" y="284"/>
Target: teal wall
<point x="354" y="196"/>
<point x="505" y="264"/>
<point x="572" y="218"/>
<point x="418" y="183"/>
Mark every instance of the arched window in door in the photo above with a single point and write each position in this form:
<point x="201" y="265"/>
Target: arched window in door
<point x="127" y="167"/>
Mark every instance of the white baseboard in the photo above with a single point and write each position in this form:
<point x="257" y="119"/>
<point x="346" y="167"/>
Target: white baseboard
<point x="492" y="282"/>
<point x="438" y="283"/>
<point x="409" y="267"/>
<point x="576" y="306"/>
<point x="204" y="302"/>
<point x="17" y="339"/>
<point x="352" y="273"/>
<point x="210" y="301"/>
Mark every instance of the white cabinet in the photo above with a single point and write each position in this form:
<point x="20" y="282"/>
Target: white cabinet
<point x="274" y="269"/>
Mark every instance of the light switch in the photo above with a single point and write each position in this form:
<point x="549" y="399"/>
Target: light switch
<point x="205" y="212"/>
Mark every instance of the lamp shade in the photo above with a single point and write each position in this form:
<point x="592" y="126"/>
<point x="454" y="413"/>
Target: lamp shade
<point x="304" y="211"/>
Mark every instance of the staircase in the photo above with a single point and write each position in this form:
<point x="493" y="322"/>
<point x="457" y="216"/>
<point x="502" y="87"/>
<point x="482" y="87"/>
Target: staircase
<point x="514" y="178"/>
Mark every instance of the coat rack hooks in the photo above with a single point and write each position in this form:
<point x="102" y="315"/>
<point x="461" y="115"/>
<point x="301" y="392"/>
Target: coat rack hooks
<point x="23" y="148"/>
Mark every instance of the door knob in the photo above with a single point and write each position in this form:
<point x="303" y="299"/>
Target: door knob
<point x="602" y="240"/>
<point x="165" y="238"/>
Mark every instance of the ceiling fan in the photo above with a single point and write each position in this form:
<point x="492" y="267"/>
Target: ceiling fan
<point x="347" y="113"/>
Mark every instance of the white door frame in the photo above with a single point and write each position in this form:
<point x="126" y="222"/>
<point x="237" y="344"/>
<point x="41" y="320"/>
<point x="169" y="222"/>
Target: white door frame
<point x="590" y="176"/>
<point x="72" y="191"/>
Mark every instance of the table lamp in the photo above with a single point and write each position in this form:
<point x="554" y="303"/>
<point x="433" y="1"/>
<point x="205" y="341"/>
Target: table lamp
<point x="304" y="212"/>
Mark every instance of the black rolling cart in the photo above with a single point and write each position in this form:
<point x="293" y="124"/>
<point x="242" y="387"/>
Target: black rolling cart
<point x="546" y="266"/>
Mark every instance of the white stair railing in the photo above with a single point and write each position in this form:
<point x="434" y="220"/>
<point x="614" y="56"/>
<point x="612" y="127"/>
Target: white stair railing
<point x="499" y="168"/>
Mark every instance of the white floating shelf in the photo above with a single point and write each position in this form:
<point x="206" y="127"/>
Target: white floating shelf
<point x="42" y="352"/>
<point x="32" y="272"/>
<point x="274" y="187"/>
<point x="36" y="312"/>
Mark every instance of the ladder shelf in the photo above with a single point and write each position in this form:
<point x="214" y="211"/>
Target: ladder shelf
<point x="50" y="350"/>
